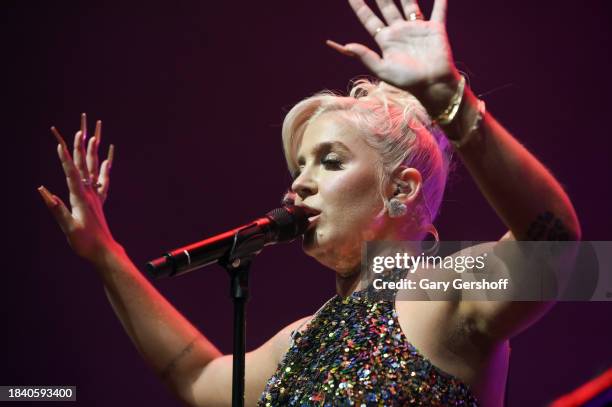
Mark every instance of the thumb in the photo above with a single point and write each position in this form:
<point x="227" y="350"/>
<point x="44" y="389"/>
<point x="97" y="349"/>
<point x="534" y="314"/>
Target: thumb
<point x="58" y="209"/>
<point x="369" y="58"/>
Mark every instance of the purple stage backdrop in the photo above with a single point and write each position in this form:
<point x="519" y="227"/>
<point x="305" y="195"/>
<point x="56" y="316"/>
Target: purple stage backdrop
<point x="193" y="94"/>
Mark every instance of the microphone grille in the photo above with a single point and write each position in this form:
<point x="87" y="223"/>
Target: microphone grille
<point x="291" y="222"/>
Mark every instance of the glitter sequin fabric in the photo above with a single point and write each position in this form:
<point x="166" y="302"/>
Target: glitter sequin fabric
<point x="354" y="353"/>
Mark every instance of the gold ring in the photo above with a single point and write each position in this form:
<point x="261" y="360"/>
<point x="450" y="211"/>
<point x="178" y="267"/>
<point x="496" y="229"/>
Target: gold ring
<point x="379" y="29"/>
<point x="415" y="16"/>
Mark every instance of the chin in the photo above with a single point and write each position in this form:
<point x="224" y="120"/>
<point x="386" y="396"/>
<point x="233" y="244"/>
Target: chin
<point x="337" y="254"/>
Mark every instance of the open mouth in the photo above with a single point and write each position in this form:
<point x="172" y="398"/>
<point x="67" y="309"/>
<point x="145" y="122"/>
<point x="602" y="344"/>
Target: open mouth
<point x="313" y="214"/>
<point x="313" y="218"/>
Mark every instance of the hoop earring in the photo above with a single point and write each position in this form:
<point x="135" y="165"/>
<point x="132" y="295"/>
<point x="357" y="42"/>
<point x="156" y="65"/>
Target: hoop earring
<point x="431" y="229"/>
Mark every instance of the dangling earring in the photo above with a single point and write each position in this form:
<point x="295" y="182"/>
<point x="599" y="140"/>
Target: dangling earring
<point x="395" y="207"/>
<point x="431" y="229"/>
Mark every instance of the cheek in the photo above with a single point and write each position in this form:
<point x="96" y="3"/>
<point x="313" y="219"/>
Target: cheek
<point x="353" y="197"/>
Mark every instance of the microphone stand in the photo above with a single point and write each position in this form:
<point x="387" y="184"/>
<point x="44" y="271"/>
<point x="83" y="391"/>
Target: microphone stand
<point x="237" y="263"/>
<point x="246" y="242"/>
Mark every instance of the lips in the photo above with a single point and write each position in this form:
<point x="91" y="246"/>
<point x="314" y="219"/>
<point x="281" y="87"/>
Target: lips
<point x="313" y="214"/>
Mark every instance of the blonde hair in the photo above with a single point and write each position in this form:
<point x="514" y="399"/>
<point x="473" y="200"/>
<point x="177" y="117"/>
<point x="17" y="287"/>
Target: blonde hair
<point x="394" y="123"/>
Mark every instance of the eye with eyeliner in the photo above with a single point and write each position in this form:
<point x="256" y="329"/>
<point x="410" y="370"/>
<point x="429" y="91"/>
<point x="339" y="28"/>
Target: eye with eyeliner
<point x="332" y="160"/>
<point x="329" y="159"/>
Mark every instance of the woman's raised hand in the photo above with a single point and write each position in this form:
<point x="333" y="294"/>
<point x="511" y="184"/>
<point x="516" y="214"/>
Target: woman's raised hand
<point x="84" y="224"/>
<point x="416" y="54"/>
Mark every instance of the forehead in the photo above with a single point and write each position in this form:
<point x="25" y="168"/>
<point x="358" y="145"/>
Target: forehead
<point x="331" y="128"/>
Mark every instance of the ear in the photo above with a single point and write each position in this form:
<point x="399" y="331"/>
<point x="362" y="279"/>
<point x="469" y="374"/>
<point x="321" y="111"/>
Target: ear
<point x="409" y="180"/>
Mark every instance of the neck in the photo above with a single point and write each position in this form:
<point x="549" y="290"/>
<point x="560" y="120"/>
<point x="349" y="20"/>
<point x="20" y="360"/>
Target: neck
<point x="348" y="282"/>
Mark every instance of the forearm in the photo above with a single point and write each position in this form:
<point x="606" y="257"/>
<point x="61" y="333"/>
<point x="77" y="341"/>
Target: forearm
<point x="525" y="195"/>
<point x="173" y="347"/>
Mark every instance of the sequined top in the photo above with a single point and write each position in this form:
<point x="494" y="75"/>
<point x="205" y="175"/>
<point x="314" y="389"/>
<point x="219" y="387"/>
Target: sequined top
<point x="354" y="352"/>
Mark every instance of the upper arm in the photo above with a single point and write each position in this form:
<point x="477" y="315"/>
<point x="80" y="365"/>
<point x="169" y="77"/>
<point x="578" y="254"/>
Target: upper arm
<point x="213" y="386"/>
<point x="500" y="320"/>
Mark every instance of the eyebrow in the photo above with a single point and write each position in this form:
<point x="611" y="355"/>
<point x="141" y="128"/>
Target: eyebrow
<point x="326" y="146"/>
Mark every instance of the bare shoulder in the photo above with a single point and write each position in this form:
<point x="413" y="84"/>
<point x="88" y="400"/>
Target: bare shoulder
<point x="213" y="385"/>
<point x="282" y="340"/>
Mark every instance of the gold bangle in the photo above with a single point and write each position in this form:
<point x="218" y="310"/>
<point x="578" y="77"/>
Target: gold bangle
<point x="447" y="116"/>
<point x="482" y="109"/>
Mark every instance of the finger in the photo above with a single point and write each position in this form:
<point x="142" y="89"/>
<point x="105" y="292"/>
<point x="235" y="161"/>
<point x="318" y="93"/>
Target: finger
<point x="340" y="48"/>
<point x="106" y="167"/>
<point x="92" y="158"/>
<point x="389" y="11"/>
<point x="56" y="206"/>
<point x="84" y="125"/>
<point x="104" y="178"/>
<point x="92" y="152"/>
<point x="367" y="56"/>
<point x="73" y="177"/>
<point x="439" y="11"/>
<point x="59" y="138"/>
<point x="410" y="6"/>
<point x="78" y="153"/>
<point x="366" y="16"/>
<point x="79" y="159"/>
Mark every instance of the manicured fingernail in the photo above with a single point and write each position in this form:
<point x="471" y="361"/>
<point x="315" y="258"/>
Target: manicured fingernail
<point x="58" y="136"/>
<point x="47" y="197"/>
<point x="84" y="122"/>
<point x="111" y="155"/>
<point x="98" y="129"/>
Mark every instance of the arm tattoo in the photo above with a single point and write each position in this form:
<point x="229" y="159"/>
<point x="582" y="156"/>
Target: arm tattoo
<point x="168" y="369"/>
<point x="547" y="227"/>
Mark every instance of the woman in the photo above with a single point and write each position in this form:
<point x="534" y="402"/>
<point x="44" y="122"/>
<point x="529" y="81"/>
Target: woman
<point x="367" y="167"/>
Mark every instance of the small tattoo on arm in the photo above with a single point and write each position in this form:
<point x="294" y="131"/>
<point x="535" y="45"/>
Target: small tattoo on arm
<point x="168" y="369"/>
<point x="547" y="227"/>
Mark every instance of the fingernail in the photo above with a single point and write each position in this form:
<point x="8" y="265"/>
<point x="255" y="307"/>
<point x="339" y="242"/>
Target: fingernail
<point x="47" y="197"/>
<point x="111" y="155"/>
<point x="57" y="135"/>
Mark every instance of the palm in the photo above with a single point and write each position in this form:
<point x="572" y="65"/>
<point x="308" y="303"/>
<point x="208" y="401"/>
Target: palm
<point x="413" y="53"/>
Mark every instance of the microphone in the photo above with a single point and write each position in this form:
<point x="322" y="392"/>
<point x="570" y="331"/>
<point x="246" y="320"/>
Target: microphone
<point x="277" y="226"/>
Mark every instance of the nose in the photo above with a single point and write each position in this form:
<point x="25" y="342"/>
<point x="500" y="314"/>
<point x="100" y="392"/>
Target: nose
<point x="304" y="185"/>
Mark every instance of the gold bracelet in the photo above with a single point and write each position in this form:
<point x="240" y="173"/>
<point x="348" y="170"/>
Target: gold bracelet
<point x="482" y="109"/>
<point x="447" y="116"/>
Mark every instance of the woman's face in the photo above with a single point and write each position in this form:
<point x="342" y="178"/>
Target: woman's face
<point x="338" y="176"/>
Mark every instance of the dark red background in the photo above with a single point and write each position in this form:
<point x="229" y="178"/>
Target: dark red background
<point x="193" y="94"/>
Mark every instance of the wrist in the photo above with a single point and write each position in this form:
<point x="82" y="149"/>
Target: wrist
<point x="466" y="121"/>
<point x="438" y="95"/>
<point x="108" y="256"/>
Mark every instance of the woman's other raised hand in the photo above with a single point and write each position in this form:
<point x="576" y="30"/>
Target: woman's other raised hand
<point x="416" y="54"/>
<point x="84" y="224"/>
